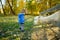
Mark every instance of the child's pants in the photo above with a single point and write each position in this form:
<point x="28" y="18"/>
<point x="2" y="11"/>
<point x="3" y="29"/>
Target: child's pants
<point x="22" y="26"/>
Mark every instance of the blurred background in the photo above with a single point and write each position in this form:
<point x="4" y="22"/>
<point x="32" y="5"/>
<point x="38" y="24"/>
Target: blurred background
<point x="9" y="27"/>
<point x="33" y="7"/>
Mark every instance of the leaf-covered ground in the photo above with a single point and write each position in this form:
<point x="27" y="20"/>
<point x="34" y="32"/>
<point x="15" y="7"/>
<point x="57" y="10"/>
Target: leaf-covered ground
<point x="9" y="30"/>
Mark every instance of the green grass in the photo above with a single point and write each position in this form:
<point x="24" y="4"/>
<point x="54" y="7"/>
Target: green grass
<point x="9" y="26"/>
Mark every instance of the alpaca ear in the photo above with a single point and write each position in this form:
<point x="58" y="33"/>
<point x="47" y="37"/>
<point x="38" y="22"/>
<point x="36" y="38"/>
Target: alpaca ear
<point x="35" y="20"/>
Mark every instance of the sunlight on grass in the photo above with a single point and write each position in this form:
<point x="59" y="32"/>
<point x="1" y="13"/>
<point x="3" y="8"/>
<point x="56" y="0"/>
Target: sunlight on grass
<point x="10" y="29"/>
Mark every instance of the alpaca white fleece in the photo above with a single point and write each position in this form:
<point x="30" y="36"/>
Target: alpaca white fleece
<point x="53" y="17"/>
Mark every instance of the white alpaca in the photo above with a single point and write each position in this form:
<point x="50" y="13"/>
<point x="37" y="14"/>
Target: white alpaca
<point x="54" y="17"/>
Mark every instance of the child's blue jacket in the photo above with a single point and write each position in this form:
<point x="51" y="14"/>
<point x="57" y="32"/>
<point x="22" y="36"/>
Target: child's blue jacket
<point x="21" y="18"/>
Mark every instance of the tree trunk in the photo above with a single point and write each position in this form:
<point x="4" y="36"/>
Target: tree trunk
<point x="11" y="8"/>
<point x="3" y="8"/>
